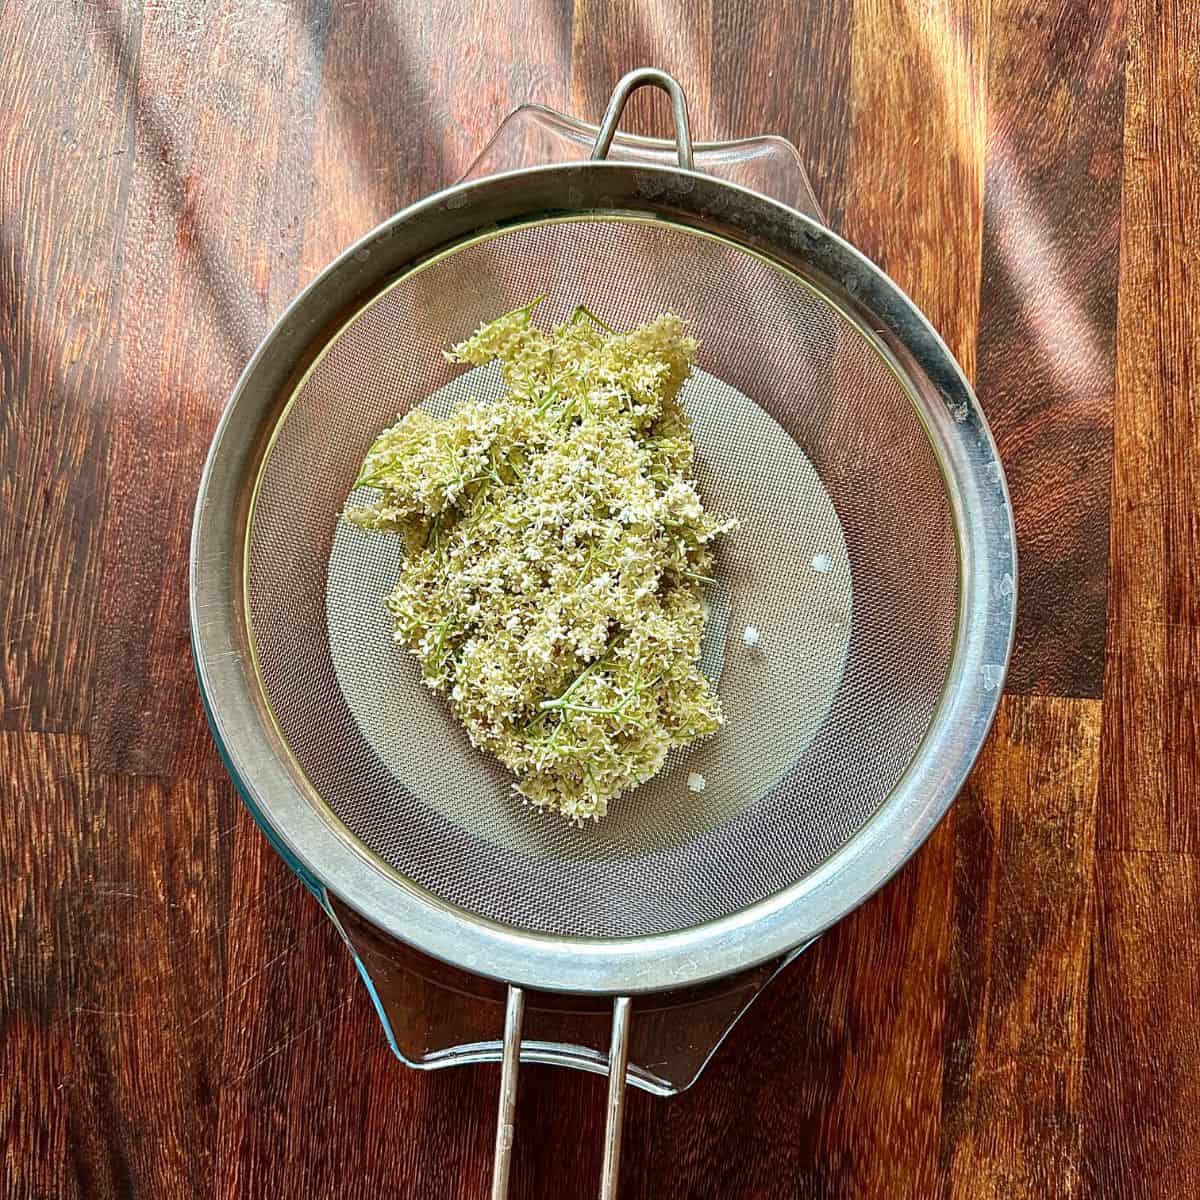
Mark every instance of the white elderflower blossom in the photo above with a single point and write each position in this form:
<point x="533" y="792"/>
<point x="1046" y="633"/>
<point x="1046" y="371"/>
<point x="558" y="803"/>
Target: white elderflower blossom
<point x="556" y="554"/>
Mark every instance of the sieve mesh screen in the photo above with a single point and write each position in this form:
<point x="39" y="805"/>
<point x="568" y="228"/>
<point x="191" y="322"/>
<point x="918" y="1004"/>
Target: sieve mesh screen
<point x="845" y="561"/>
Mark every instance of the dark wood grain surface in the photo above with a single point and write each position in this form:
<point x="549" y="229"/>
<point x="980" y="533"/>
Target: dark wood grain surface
<point x="1016" y="1015"/>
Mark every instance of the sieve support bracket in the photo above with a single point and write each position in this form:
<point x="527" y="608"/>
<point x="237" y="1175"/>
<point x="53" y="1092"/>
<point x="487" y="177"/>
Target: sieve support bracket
<point x="626" y="86"/>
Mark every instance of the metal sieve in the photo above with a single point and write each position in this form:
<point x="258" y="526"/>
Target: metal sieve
<point x="874" y="568"/>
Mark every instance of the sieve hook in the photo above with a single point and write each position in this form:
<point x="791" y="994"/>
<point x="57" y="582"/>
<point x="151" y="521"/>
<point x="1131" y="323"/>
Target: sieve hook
<point x="618" y="1060"/>
<point x="626" y="85"/>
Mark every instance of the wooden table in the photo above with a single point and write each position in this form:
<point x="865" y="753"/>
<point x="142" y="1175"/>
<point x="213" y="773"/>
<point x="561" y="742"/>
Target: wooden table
<point x="1017" y="1015"/>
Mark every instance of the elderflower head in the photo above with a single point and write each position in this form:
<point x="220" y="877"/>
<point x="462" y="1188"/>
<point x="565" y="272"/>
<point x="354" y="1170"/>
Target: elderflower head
<point x="556" y="550"/>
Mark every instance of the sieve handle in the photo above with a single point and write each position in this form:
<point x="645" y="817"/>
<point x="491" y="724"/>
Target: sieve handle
<point x="626" y="86"/>
<point x="618" y="1061"/>
<point x="514" y="1012"/>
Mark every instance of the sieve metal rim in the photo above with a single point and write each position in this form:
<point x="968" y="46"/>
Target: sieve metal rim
<point x="324" y="851"/>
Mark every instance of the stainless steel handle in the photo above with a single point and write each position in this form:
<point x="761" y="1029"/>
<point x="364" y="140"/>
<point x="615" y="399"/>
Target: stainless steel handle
<point x="618" y="1059"/>
<point x="626" y="85"/>
<point x="514" y="1012"/>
